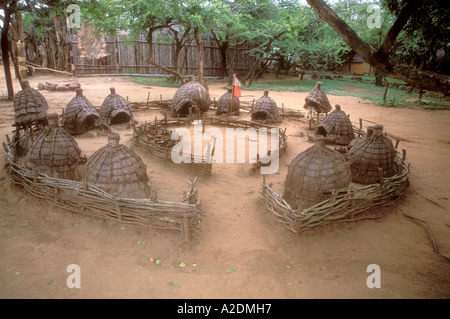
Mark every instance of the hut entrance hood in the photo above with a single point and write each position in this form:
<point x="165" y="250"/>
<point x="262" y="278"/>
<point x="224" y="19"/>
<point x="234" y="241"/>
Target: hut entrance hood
<point x="80" y="115"/>
<point x="318" y="100"/>
<point x="115" y="109"/>
<point x="190" y="95"/>
<point x="337" y="125"/>
<point x="266" y="109"/>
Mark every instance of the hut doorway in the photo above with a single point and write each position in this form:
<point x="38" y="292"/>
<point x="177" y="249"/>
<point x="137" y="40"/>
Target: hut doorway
<point x="121" y="117"/>
<point x="90" y="121"/>
<point x="260" y="116"/>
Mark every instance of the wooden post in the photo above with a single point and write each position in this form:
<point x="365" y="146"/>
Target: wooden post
<point x="396" y="143"/>
<point x="333" y="197"/>
<point x="148" y="98"/>
<point x="118" y="210"/>
<point x="404" y="155"/>
<point x="282" y="108"/>
<point x="85" y="176"/>
<point x="35" y="175"/>
<point x="203" y="122"/>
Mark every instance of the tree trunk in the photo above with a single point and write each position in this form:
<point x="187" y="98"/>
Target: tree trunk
<point x="201" y="76"/>
<point x="5" y="54"/>
<point x="379" y="60"/>
<point x="150" y="56"/>
<point x="378" y="78"/>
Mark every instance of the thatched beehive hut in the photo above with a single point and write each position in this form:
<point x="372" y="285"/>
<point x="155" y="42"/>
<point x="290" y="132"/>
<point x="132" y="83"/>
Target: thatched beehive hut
<point x="227" y="102"/>
<point x="314" y="174"/>
<point x="266" y="109"/>
<point x="191" y="94"/>
<point x="318" y="100"/>
<point x="79" y="115"/>
<point x="337" y="126"/>
<point x="118" y="170"/>
<point x="55" y="153"/>
<point x="373" y="158"/>
<point x="115" y="109"/>
<point x="29" y="106"/>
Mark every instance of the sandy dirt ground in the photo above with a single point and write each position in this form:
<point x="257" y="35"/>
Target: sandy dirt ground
<point x="240" y="252"/>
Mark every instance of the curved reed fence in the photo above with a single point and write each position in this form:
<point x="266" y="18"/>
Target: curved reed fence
<point x="155" y="137"/>
<point x="350" y="204"/>
<point x="81" y="197"/>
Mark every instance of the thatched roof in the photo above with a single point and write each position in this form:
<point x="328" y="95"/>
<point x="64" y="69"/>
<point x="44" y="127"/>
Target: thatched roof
<point x="318" y="100"/>
<point x="115" y="109"/>
<point x="79" y="115"/>
<point x="337" y="125"/>
<point x="29" y="105"/>
<point x="266" y="109"/>
<point x="55" y="153"/>
<point x="314" y="174"/>
<point x="358" y="140"/>
<point x="190" y="94"/>
<point x="118" y="170"/>
<point x="370" y="154"/>
<point x="226" y="101"/>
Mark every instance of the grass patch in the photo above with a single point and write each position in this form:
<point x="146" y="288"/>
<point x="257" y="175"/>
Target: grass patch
<point x="366" y="89"/>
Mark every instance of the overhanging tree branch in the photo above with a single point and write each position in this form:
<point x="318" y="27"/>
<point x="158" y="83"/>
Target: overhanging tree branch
<point x="420" y="78"/>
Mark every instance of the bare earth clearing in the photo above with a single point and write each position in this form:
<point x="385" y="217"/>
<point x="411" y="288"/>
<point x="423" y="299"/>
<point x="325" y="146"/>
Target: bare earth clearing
<point x="240" y="252"/>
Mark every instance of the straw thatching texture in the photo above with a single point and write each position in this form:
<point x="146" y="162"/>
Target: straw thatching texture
<point x="55" y="153"/>
<point x="313" y="175"/>
<point x="318" y="100"/>
<point x="191" y="94"/>
<point x="361" y="138"/>
<point x="29" y="106"/>
<point x="337" y="126"/>
<point x="266" y="110"/>
<point x="79" y="115"/>
<point x="115" y="109"/>
<point x="118" y="170"/>
<point x="373" y="158"/>
<point x="227" y="101"/>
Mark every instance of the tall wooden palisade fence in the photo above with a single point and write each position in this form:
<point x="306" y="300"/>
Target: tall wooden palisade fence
<point x="80" y="197"/>
<point x="130" y="57"/>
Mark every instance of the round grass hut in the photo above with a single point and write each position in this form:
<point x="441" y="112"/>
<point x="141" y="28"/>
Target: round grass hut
<point x="55" y="152"/>
<point x="118" y="170"/>
<point x="318" y="100"/>
<point x="372" y="158"/>
<point x="227" y="102"/>
<point x="337" y="126"/>
<point x="30" y="106"/>
<point x="190" y="95"/>
<point x="314" y="174"/>
<point x="266" y="110"/>
<point x="115" y="109"/>
<point x="79" y="115"/>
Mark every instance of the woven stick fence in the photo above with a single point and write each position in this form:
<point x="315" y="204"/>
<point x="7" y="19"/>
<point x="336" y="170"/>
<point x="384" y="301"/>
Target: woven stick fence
<point x="345" y="205"/>
<point x="154" y="137"/>
<point x="80" y="197"/>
